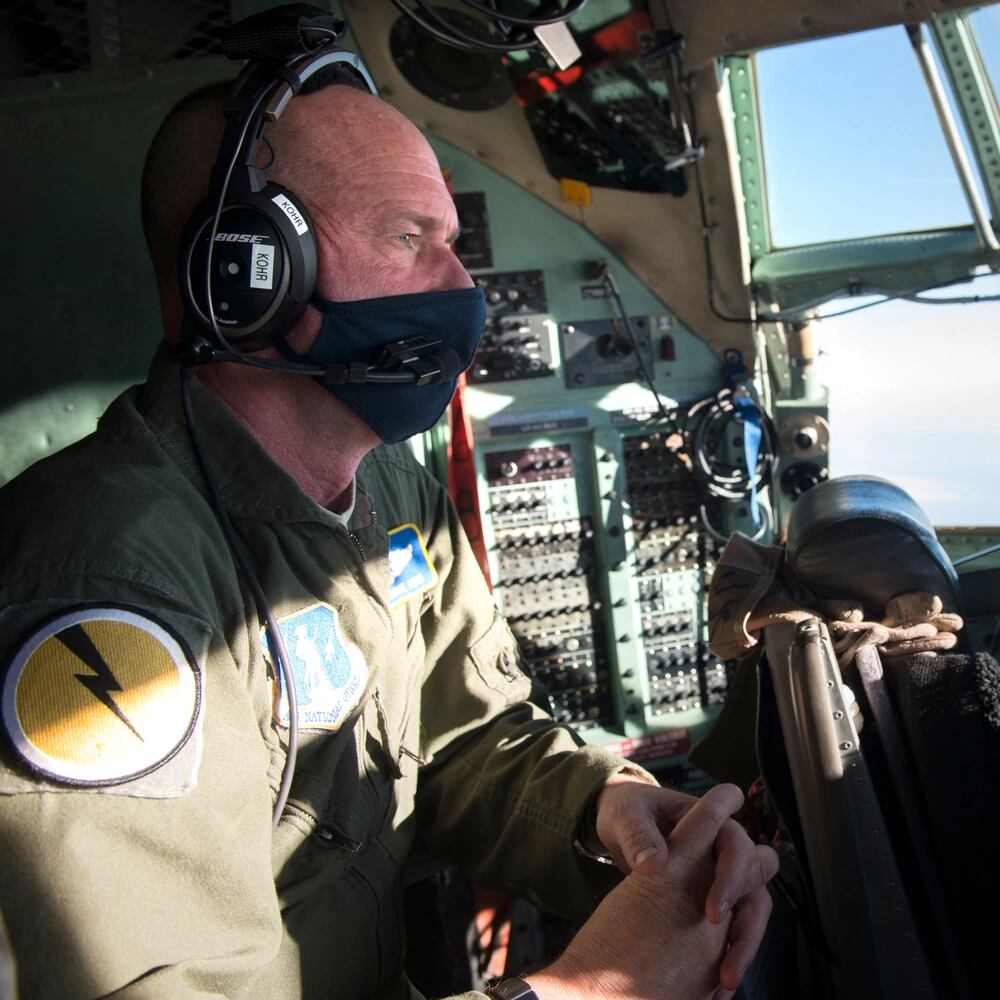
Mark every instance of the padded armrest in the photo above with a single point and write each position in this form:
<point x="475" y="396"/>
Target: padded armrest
<point x="864" y="538"/>
<point x="864" y="909"/>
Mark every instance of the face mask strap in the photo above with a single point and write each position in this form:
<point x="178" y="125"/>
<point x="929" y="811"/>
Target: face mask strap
<point x="289" y="353"/>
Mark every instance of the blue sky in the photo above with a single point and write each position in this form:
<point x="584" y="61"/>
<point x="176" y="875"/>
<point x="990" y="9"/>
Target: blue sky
<point x="853" y="148"/>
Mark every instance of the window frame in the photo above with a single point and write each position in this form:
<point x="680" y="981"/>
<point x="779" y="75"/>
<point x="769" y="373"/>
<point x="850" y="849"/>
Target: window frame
<point x="802" y="277"/>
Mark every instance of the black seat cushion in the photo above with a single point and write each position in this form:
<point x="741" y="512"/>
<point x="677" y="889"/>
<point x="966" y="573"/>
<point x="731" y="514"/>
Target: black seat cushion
<point x="864" y="538"/>
<point x="950" y="712"/>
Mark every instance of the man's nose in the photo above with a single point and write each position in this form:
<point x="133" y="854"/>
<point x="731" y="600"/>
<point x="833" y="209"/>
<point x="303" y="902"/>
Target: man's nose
<point x="452" y="273"/>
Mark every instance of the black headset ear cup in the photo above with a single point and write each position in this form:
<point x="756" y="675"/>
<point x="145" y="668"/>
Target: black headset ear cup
<point x="263" y="266"/>
<point x="248" y="289"/>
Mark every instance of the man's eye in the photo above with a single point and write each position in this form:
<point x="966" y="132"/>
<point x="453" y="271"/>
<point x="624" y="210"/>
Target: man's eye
<point x="407" y="239"/>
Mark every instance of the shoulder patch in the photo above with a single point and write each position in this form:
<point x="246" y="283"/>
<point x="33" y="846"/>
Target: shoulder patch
<point x="101" y="696"/>
<point x="411" y="571"/>
<point x="330" y="674"/>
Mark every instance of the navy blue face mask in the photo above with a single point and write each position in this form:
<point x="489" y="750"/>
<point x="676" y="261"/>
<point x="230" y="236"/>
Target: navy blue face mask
<point x="357" y="331"/>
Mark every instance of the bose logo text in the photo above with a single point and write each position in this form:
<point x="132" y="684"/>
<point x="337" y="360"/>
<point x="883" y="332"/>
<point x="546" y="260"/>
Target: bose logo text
<point x="237" y="238"/>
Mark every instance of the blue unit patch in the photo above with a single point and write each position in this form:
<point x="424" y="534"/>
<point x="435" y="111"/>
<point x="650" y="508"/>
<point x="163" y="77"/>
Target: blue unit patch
<point x="410" y="568"/>
<point x="330" y="674"/>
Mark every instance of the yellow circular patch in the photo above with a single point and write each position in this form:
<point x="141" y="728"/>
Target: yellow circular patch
<point x="100" y="696"/>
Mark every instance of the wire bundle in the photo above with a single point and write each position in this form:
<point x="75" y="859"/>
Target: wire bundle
<point x="517" y="32"/>
<point x="709" y="422"/>
<point x="705" y="425"/>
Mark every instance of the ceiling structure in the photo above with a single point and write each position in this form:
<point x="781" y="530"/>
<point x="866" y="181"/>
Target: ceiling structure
<point x="659" y="236"/>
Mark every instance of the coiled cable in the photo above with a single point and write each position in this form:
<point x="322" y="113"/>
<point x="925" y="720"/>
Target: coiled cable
<point x="709" y="423"/>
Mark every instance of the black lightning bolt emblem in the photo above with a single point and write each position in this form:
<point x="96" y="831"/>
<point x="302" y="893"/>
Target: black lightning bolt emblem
<point x="102" y="681"/>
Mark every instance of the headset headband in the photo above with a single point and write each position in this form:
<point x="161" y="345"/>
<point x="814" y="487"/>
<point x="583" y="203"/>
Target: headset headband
<point x="250" y="96"/>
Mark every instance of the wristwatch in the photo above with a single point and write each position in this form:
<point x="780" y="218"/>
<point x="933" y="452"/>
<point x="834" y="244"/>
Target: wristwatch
<point x="511" y="989"/>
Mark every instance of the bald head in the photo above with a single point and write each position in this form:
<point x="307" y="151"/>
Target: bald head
<point x="176" y="174"/>
<point x="328" y="148"/>
<point x="319" y="138"/>
<point x="373" y="187"/>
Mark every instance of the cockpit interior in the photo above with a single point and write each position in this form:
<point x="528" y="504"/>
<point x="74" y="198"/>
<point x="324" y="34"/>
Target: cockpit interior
<point x="709" y="236"/>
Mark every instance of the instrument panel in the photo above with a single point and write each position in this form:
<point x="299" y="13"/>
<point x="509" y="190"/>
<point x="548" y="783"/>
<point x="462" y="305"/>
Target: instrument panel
<point x="599" y="539"/>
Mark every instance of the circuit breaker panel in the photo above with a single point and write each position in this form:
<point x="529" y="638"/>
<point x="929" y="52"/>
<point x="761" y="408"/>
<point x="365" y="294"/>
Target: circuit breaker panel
<point x="601" y="548"/>
<point x="672" y="556"/>
<point x="548" y="575"/>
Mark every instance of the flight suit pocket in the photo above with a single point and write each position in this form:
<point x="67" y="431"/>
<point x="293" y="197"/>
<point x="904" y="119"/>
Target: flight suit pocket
<point x="310" y="856"/>
<point x="392" y="736"/>
<point x="498" y="661"/>
<point x="338" y="938"/>
<point x="381" y="738"/>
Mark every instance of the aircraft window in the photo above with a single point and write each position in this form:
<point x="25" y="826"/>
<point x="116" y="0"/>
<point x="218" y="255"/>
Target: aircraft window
<point x="985" y="25"/>
<point x="910" y="397"/>
<point x="852" y="145"/>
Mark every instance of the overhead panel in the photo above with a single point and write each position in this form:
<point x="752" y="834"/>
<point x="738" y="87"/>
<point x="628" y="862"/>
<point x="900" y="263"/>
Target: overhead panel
<point x="612" y="123"/>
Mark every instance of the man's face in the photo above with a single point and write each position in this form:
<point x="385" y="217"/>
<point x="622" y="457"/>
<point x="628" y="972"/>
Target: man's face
<point x="388" y="222"/>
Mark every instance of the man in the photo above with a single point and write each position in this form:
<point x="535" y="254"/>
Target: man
<point x="148" y="731"/>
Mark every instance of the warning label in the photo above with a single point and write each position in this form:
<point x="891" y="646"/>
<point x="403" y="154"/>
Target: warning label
<point x="656" y="746"/>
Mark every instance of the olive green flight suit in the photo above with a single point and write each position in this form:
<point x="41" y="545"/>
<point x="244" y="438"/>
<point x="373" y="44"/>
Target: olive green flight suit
<point x="174" y="884"/>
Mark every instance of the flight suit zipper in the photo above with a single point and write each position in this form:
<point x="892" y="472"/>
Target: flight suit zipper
<point x="357" y="541"/>
<point x="357" y="545"/>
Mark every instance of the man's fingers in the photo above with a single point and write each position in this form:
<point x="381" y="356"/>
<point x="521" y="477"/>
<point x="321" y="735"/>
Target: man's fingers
<point x="740" y="868"/>
<point x="745" y="935"/>
<point x="734" y="860"/>
<point x="639" y="839"/>
<point x="632" y="816"/>
<point x="698" y="828"/>
<point x="767" y="867"/>
<point x="670" y="807"/>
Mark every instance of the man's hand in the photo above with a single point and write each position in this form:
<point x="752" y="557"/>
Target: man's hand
<point x="649" y="939"/>
<point x="634" y="818"/>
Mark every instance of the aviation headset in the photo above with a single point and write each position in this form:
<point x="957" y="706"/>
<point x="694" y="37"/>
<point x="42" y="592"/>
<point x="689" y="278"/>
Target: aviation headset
<point x="247" y="258"/>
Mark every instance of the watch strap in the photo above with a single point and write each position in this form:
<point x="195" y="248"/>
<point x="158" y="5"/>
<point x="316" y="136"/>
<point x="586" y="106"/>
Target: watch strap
<point x="514" y="988"/>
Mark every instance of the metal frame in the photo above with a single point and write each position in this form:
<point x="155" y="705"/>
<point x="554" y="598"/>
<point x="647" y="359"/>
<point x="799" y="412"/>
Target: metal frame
<point x="803" y="277"/>
<point x="867" y="922"/>
<point x="750" y="152"/>
<point x="939" y="98"/>
<point x="974" y="96"/>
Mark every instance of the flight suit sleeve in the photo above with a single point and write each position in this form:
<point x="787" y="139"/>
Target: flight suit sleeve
<point x="505" y="789"/>
<point x="135" y="820"/>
